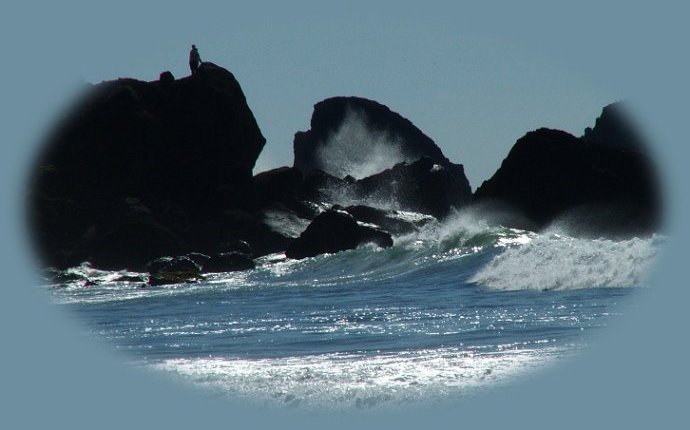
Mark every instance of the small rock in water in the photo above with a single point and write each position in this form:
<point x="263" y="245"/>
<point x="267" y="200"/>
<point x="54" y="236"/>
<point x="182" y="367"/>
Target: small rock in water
<point x="334" y="231"/>
<point x="173" y="270"/>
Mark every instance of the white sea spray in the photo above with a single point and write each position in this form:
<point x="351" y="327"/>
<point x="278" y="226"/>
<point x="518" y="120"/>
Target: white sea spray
<point x="557" y="262"/>
<point x="358" y="150"/>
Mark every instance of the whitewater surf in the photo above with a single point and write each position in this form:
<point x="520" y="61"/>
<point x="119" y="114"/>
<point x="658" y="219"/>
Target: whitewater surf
<point x="454" y="308"/>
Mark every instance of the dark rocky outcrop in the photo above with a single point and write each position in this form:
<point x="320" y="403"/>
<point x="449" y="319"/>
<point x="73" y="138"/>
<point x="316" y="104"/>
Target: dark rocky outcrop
<point x="140" y="170"/>
<point x="598" y="184"/>
<point x="193" y="141"/>
<point x="419" y="186"/>
<point x="402" y="136"/>
<point x="334" y="231"/>
<point x="184" y="149"/>
<point x="127" y="232"/>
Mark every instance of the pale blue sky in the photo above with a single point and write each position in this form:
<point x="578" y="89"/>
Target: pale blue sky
<point x="474" y="89"/>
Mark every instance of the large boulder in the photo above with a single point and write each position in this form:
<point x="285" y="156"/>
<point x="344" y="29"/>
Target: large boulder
<point x="597" y="184"/>
<point x="333" y="231"/>
<point x="184" y="148"/>
<point x="357" y="137"/>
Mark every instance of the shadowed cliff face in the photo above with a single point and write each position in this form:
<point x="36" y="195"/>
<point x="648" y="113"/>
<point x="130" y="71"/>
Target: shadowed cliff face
<point x="603" y="182"/>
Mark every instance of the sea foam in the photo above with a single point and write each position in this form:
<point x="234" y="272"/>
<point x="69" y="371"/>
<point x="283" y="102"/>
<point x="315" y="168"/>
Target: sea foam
<point x="552" y="261"/>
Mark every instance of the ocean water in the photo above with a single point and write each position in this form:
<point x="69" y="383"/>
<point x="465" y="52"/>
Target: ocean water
<point x="454" y="309"/>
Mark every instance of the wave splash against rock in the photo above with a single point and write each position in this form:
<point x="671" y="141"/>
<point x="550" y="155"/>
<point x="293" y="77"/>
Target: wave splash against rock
<point x="141" y="170"/>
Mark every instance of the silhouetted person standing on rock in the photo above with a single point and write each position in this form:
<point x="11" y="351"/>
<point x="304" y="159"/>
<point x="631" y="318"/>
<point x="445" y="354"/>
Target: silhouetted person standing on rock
<point x="194" y="59"/>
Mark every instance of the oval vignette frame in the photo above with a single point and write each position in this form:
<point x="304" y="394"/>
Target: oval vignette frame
<point x="50" y="357"/>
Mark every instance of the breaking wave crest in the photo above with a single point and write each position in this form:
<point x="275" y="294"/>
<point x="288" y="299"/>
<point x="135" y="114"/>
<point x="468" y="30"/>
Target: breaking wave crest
<point x="557" y="262"/>
<point x="464" y="247"/>
<point x="453" y="308"/>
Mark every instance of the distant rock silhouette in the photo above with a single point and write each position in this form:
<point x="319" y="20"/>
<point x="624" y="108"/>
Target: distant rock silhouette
<point x="603" y="183"/>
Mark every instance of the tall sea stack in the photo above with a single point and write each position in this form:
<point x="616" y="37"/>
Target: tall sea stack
<point x="137" y="164"/>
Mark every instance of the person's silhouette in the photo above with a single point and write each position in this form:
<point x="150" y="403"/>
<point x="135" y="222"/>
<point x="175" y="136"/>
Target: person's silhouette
<point x="194" y="59"/>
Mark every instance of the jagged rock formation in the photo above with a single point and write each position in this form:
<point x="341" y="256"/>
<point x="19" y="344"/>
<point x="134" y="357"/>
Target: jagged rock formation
<point x="614" y="129"/>
<point x="603" y="183"/>
<point x="141" y="170"/>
